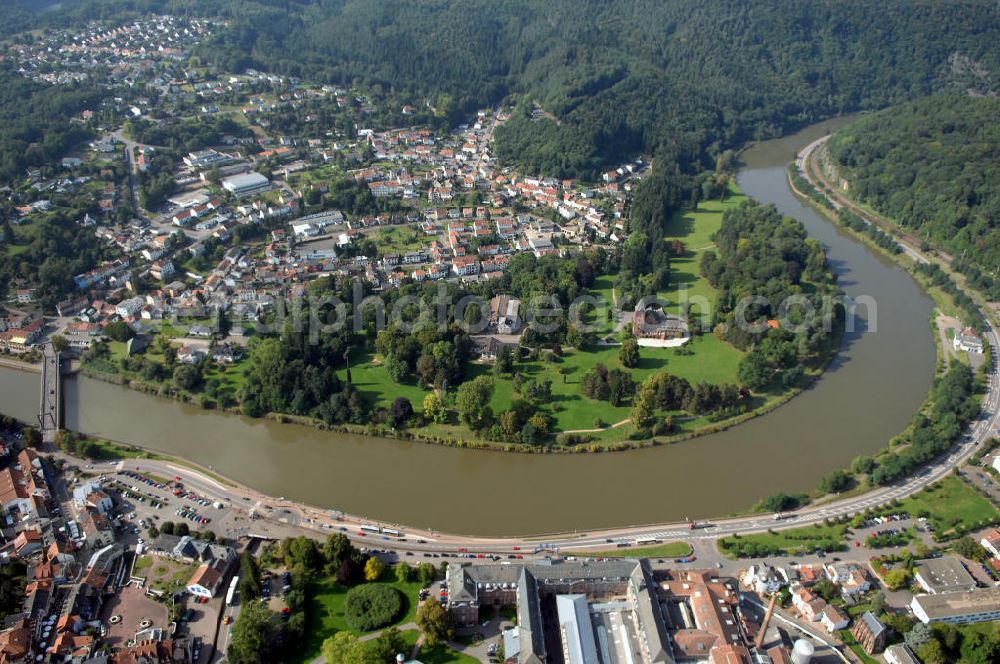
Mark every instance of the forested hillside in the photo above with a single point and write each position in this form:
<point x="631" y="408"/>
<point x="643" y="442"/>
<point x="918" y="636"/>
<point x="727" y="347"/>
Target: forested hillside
<point x="934" y="167"/>
<point x="680" y="79"/>
<point x="34" y="121"/>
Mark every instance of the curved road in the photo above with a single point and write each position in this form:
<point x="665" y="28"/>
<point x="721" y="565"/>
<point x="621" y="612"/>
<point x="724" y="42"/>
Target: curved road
<point x="294" y="515"/>
<point x="315" y="519"/>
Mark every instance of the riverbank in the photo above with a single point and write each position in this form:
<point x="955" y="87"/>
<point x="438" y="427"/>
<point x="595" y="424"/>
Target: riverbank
<point x="807" y="164"/>
<point x="470" y="443"/>
<point x="813" y="189"/>
<point x="32" y="367"/>
<point x="879" y="379"/>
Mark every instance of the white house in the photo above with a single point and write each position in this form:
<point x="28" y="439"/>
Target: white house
<point x="130" y="307"/>
<point x="90" y="493"/>
<point x="969" y="341"/>
<point x="205" y="581"/>
<point x="305" y="230"/>
<point x="833" y="618"/>
<point x="763" y="579"/>
<point x="991" y="541"/>
<point x="809" y="605"/>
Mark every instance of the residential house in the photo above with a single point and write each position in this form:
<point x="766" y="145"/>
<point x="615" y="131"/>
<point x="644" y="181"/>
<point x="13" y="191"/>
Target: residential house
<point x="809" y="605"/>
<point x="205" y="581"/>
<point x="851" y="578"/>
<point x="20" y="339"/>
<point x="504" y="314"/>
<point x="833" y="618"/>
<point x="16" y="642"/>
<point x="97" y="529"/>
<point x="762" y="579"/>
<point x="969" y="341"/>
<point x="991" y="539"/>
<point x="28" y="541"/>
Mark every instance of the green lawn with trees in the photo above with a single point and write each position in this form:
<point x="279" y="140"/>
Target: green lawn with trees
<point x="952" y="507"/>
<point x="793" y="541"/>
<point x="328" y="611"/>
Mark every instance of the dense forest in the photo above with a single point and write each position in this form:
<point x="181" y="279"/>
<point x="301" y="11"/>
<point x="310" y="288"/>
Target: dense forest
<point x="52" y="253"/>
<point x="678" y="79"/>
<point x="34" y="121"/>
<point x="933" y="166"/>
<point x="763" y="263"/>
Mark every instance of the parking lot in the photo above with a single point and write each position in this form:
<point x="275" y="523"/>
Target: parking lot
<point x="151" y="501"/>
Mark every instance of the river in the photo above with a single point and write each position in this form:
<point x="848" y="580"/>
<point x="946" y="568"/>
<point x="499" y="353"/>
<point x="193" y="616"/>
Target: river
<point x="867" y="395"/>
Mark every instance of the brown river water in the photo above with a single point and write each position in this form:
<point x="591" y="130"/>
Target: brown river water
<point x="867" y="395"/>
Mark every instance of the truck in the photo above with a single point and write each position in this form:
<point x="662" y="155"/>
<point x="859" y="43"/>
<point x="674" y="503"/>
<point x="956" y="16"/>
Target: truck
<point x="695" y="525"/>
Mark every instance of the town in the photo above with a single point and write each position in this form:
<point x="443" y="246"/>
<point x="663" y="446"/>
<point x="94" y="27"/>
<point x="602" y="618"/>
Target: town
<point x="454" y="214"/>
<point x="225" y="232"/>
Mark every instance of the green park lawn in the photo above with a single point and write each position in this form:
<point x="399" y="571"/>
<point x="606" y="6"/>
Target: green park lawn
<point x="790" y="542"/>
<point x="950" y="503"/>
<point x="712" y="361"/>
<point x="369" y="376"/>
<point x="665" y="550"/>
<point x="397" y="239"/>
<point x="326" y="612"/>
<point x="437" y="654"/>
<point x="695" y="230"/>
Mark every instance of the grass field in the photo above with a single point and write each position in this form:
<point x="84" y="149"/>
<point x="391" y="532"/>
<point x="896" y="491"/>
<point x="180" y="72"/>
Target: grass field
<point x="369" y="376"/>
<point x="438" y="654"/>
<point x="713" y="361"/>
<point x="695" y="230"/>
<point x="326" y="612"/>
<point x="950" y="503"/>
<point x="109" y="451"/>
<point x="162" y="573"/>
<point x="666" y="550"/>
<point x="397" y="239"/>
<point x="792" y="541"/>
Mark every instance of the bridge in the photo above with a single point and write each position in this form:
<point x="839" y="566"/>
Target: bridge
<point x="49" y="411"/>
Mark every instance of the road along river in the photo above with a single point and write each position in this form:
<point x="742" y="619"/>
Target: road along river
<point x="867" y="395"/>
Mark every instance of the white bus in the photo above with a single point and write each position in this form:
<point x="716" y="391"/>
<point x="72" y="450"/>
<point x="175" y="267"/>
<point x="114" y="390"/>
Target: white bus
<point x="371" y="529"/>
<point x="391" y="532"/>
<point x="646" y="541"/>
<point x="232" y="590"/>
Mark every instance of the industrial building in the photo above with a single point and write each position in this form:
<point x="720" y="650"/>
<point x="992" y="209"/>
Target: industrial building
<point x="577" y="608"/>
<point x="943" y="575"/>
<point x="246" y="185"/>
<point x="606" y="612"/>
<point x="980" y="605"/>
